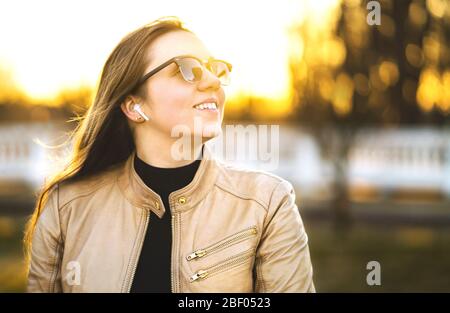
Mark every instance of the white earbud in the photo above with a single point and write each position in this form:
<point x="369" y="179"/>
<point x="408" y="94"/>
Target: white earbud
<point x="137" y="108"/>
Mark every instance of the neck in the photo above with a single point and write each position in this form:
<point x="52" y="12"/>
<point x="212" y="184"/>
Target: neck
<point x="159" y="153"/>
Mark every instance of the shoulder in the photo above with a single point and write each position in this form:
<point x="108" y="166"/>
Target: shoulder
<point x="87" y="187"/>
<point x="257" y="185"/>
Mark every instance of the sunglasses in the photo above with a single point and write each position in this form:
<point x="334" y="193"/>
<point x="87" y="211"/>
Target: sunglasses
<point x="192" y="69"/>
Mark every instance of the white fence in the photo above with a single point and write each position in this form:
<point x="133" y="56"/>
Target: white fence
<point x="24" y="156"/>
<point x="385" y="159"/>
<point x="416" y="159"/>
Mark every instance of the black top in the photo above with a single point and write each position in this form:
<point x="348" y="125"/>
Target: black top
<point x="153" y="272"/>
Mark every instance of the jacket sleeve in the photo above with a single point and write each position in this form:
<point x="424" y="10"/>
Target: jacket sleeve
<point x="44" y="274"/>
<point x="283" y="262"/>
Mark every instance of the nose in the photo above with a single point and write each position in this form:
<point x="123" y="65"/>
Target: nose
<point x="208" y="81"/>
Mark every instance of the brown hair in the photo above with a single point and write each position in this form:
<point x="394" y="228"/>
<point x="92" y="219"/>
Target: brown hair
<point x="94" y="151"/>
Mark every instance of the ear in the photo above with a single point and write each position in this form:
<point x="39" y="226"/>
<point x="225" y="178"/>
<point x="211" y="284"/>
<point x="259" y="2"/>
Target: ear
<point x="127" y="108"/>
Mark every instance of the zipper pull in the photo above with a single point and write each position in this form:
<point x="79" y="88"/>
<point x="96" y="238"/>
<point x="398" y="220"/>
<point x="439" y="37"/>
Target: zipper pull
<point x="196" y="254"/>
<point x="199" y="275"/>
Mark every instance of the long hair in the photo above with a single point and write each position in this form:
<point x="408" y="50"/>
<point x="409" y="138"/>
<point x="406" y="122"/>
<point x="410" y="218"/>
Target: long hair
<point x="103" y="137"/>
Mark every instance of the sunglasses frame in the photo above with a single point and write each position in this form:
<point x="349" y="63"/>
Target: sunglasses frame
<point x="178" y="58"/>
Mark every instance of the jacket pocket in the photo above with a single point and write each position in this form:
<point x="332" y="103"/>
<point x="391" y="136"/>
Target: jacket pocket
<point x="224" y="265"/>
<point x="224" y="243"/>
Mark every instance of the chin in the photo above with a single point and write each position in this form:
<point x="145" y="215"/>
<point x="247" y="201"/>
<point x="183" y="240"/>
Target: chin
<point x="211" y="131"/>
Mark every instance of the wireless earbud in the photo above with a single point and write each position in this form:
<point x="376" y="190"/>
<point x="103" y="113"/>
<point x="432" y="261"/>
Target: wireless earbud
<point x="137" y="109"/>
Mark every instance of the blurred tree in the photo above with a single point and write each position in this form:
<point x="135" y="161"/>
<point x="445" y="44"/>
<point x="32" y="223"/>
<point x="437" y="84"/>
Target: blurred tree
<point x="347" y="74"/>
<point x="76" y="100"/>
<point x="9" y="92"/>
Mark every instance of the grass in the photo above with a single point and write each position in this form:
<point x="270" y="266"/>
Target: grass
<point x="413" y="259"/>
<point x="12" y="267"/>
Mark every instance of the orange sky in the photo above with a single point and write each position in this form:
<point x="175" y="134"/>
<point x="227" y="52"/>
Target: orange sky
<point x="49" y="45"/>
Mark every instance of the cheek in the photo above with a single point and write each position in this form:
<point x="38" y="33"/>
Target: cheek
<point x="222" y="97"/>
<point x="170" y="103"/>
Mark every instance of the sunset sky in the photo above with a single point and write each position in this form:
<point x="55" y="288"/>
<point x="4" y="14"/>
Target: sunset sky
<point x="48" y="45"/>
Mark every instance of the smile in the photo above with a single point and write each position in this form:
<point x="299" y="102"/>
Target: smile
<point x="206" y="106"/>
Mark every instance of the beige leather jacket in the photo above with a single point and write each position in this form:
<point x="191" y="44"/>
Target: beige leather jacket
<point x="234" y="230"/>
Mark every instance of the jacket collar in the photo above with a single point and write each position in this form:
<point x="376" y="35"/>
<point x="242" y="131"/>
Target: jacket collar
<point x="140" y="195"/>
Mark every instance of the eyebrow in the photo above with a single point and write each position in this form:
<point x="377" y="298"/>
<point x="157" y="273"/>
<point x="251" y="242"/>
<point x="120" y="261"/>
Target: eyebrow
<point x="183" y="55"/>
<point x="173" y="67"/>
<point x="167" y="63"/>
<point x="191" y="55"/>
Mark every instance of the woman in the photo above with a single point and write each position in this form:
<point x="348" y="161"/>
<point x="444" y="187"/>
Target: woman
<point x="131" y="213"/>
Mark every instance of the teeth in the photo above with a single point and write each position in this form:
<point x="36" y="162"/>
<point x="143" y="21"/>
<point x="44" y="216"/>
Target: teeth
<point x="209" y="106"/>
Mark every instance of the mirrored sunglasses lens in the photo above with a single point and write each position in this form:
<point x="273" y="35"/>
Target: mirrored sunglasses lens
<point x="191" y="69"/>
<point x="220" y="69"/>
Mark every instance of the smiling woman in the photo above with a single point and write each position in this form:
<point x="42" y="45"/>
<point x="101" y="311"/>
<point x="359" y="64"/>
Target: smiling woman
<point x="128" y="214"/>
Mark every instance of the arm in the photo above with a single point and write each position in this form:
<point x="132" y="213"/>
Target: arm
<point x="283" y="262"/>
<point x="47" y="248"/>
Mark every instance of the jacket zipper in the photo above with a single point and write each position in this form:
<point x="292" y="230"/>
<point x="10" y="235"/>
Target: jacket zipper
<point x="171" y="271"/>
<point x="219" y="267"/>
<point x="136" y="256"/>
<point x="237" y="237"/>
<point x="174" y="273"/>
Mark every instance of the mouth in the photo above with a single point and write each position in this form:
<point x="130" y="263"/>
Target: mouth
<point x="206" y="106"/>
